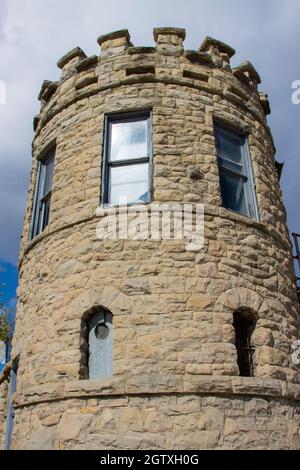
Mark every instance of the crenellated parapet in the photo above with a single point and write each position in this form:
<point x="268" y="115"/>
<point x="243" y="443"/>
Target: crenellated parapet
<point x="121" y="63"/>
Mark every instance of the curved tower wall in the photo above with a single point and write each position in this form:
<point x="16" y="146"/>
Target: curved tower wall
<point x="175" y="380"/>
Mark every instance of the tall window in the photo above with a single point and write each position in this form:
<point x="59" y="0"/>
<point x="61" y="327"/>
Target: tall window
<point x="126" y="175"/>
<point x="43" y="194"/>
<point x="236" y="180"/>
<point x="244" y="323"/>
<point x="96" y="344"/>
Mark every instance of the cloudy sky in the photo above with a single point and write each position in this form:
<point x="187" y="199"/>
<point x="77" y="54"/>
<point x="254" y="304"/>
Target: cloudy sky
<point x="35" y="33"/>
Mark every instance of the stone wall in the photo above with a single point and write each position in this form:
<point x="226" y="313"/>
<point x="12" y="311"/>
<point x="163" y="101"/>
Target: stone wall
<point x="164" y="421"/>
<point x="175" y="376"/>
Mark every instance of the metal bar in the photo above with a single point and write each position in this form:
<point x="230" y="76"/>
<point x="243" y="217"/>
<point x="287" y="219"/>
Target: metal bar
<point x="128" y="162"/>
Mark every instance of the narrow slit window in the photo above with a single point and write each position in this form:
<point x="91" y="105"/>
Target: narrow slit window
<point x="235" y="171"/>
<point x="126" y="175"/>
<point x="42" y="201"/>
<point x="244" y="323"/>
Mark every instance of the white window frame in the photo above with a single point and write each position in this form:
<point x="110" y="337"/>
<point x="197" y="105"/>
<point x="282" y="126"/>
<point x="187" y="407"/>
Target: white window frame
<point x="107" y="163"/>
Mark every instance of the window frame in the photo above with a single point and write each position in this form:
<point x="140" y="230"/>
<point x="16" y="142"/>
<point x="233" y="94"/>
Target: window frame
<point x="247" y="170"/>
<point x="39" y="222"/>
<point x="107" y="164"/>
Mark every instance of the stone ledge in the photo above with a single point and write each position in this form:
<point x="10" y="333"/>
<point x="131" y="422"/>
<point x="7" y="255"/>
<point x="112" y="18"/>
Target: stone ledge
<point x="110" y="386"/>
<point x="101" y="212"/>
<point x="114" y="35"/>
<point x="46" y="233"/>
<point x="207" y="384"/>
<point x="47" y="90"/>
<point x="36" y="120"/>
<point x="264" y="99"/>
<point x="155" y="384"/>
<point x="257" y="386"/>
<point x="246" y="68"/>
<point x="223" y="48"/>
<point x="169" y="30"/>
<point x="44" y="86"/>
<point x="201" y="58"/>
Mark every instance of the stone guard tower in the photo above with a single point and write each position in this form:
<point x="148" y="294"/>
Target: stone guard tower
<point x="138" y="344"/>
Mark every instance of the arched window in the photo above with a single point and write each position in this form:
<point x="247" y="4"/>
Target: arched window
<point x="96" y="344"/>
<point x="244" y="322"/>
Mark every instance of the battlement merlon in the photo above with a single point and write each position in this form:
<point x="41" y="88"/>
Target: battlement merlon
<point x="114" y="42"/>
<point x="67" y="62"/>
<point x="169" y="41"/>
<point x="248" y="70"/>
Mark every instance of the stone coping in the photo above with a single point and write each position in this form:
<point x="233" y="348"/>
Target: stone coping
<point x="198" y="57"/>
<point x="247" y="67"/>
<point x="221" y="46"/>
<point x="48" y="89"/>
<point x="264" y="99"/>
<point x="169" y="30"/>
<point x="155" y="384"/>
<point x="44" y="86"/>
<point x="76" y="52"/>
<point x="114" y="35"/>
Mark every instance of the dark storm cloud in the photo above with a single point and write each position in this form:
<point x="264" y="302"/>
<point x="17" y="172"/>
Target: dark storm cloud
<point x="34" y="34"/>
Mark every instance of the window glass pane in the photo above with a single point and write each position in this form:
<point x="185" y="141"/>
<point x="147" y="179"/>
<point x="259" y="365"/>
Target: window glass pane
<point x="128" y="140"/>
<point x="129" y="182"/>
<point x="233" y="192"/>
<point x="41" y="181"/>
<point x="100" y="345"/>
<point x="43" y="194"/>
<point x="46" y="211"/>
<point x="49" y="164"/>
<point x="38" y="202"/>
<point x="229" y="145"/>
